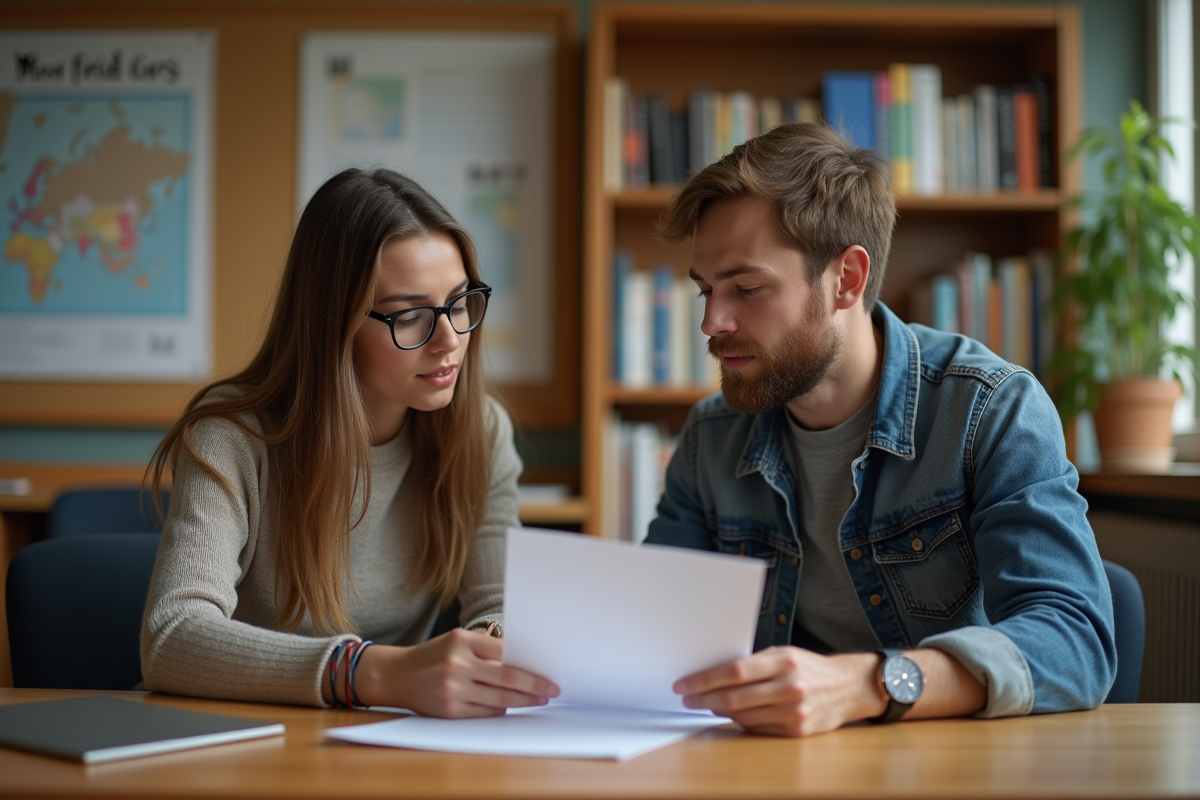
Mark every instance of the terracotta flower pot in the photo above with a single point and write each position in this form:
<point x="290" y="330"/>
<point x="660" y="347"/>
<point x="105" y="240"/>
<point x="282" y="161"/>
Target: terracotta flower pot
<point x="1133" y="424"/>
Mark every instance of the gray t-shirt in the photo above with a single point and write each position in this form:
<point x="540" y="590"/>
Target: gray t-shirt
<point x="827" y="605"/>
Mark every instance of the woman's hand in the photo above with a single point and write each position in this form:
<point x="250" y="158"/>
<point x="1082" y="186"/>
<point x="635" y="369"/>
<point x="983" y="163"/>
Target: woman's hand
<point x="458" y="674"/>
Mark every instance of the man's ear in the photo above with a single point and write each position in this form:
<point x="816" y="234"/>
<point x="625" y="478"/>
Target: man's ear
<point x="852" y="267"/>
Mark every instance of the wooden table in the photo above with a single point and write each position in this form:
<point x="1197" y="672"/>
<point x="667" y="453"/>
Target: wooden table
<point x="1112" y="752"/>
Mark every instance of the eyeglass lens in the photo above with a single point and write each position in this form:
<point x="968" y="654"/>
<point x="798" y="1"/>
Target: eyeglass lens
<point x="412" y="328"/>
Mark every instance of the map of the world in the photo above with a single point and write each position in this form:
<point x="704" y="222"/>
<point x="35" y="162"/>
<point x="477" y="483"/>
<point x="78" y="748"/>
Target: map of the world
<point x="94" y="203"/>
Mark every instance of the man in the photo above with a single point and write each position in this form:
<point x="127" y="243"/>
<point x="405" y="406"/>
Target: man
<point x="928" y="552"/>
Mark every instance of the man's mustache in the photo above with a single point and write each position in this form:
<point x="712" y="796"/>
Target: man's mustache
<point x="724" y="346"/>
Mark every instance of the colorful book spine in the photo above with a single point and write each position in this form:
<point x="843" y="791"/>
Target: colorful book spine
<point x="615" y="92"/>
<point x="1045" y="126"/>
<point x="945" y="303"/>
<point x="664" y="281"/>
<point x="638" y="307"/>
<point x="968" y="168"/>
<point x="902" y="131"/>
<point x="622" y="266"/>
<point x="1026" y="124"/>
<point x="849" y="105"/>
<point x="925" y="86"/>
<point x="987" y="152"/>
<point x="883" y="114"/>
<point x="679" y="346"/>
<point x="1006" y="140"/>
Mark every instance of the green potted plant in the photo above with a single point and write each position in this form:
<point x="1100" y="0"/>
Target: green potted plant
<point x="1132" y="235"/>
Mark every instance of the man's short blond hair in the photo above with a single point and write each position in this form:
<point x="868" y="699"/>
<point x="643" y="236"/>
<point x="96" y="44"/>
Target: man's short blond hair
<point x="827" y="196"/>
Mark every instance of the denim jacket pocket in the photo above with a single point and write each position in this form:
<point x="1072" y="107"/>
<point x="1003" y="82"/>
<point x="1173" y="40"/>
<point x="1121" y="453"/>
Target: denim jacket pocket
<point x="744" y="543"/>
<point x="931" y="566"/>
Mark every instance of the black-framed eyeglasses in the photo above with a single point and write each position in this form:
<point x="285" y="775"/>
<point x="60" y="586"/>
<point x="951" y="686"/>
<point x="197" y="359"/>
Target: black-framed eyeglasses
<point x="413" y="327"/>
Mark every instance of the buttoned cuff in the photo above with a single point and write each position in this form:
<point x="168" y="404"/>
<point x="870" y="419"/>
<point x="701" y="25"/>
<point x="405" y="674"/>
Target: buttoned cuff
<point x="996" y="662"/>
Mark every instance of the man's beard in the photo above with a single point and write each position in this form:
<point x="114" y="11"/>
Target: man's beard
<point x="793" y="369"/>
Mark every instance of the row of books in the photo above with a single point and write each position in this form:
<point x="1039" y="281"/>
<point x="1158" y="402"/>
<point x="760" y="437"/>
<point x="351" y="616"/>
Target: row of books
<point x="1005" y="305"/>
<point x="645" y="142"/>
<point x="994" y="138"/>
<point x="656" y="324"/>
<point x="637" y="458"/>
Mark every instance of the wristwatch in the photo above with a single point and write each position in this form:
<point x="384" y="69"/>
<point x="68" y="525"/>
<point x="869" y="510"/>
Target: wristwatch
<point x="900" y="683"/>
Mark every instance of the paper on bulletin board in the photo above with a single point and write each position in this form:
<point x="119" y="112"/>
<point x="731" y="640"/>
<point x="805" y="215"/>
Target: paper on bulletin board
<point x="469" y="117"/>
<point x="105" y="216"/>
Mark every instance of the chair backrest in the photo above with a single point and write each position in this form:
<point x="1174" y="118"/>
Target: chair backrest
<point x="104" y="509"/>
<point x="75" y="610"/>
<point x="1129" y="619"/>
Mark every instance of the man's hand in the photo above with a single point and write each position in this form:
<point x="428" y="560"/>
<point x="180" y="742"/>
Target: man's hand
<point x="787" y="691"/>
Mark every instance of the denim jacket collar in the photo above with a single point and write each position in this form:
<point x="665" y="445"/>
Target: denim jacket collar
<point x="895" y="411"/>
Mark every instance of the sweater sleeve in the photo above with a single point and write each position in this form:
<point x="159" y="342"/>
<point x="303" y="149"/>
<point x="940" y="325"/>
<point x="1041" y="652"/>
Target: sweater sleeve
<point x="482" y="592"/>
<point x="191" y="644"/>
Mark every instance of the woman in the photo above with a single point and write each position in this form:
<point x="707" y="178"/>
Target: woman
<point x="351" y="481"/>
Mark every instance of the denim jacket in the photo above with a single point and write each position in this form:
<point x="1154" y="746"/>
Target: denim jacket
<point x="966" y="532"/>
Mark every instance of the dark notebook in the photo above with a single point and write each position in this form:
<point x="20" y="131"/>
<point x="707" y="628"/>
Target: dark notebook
<point x="98" y="728"/>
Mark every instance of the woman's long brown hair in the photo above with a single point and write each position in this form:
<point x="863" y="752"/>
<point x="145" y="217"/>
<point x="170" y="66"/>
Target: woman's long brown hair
<point x="302" y="389"/>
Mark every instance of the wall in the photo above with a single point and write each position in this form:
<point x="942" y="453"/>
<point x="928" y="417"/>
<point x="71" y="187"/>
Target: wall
<point x="1114" y="71"/>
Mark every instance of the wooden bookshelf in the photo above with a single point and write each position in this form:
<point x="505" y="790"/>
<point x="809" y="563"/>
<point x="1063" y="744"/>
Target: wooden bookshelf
<point x="782" y="50"/>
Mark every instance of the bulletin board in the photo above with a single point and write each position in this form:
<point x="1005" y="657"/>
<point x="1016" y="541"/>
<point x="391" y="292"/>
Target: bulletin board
<point x="255" y="184"/>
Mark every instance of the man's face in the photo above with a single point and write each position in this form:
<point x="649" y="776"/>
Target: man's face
<point x="765" y="322"/>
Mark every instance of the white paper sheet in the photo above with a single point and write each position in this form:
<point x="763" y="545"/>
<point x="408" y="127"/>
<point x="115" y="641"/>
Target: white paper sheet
<point x="616" y="625"/>
<point x="559" y="730"/>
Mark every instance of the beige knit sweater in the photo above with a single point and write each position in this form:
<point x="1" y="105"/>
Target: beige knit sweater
<point x="208" y="630"/>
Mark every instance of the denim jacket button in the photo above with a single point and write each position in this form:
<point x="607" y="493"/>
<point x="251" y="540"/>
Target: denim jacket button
<point x="876" y="599"/>
<point x="795" y="561"/>
<point x="783" y="619"/>
<point x="856" y="554"/>
<point x="917" y="544"/>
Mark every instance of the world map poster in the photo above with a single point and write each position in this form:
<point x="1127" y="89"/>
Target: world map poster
<point x="104" y="206"/>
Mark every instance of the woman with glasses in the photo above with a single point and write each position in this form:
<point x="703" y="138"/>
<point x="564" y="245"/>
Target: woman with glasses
<point x="348" y="484"/>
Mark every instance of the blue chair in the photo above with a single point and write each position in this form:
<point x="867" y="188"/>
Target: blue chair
<point x="1129" y="619"/>
<point x="75" y="610"/>
<point x="108" y="509"/>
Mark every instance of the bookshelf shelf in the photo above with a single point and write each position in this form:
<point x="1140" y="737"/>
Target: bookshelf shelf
<point x="783" y="51"/>
<point x="621" y="395"/>
<point x="656" y="198"/>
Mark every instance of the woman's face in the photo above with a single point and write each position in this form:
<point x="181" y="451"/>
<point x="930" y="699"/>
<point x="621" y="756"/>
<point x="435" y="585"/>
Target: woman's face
<point x="417" y="271"/>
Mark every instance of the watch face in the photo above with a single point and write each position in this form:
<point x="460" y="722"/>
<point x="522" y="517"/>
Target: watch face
<point x="902" y="679"/>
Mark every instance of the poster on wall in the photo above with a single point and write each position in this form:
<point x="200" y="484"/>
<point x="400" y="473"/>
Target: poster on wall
<point x="105" y="219"/>
<point x="469" y="116"/>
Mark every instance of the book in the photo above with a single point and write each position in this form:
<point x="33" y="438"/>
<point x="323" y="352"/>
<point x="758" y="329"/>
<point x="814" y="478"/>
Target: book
<point x="902" y="132"/>
<point x="848" y="102"/>
<point x="987" y="154"/>
<point x="664" y="281"/>
<point x="1006" y="140"/>
<point x="926" y="92"/>
<point x="1026" y="123"/>
<point x="658" y="122"/>
<point x="615" y="90"/>
<point x="622" y="266"/>
<point x="637" y="161"/>
<point x="679" y="372"/>
<point x="950" y="141"/>
<point x="743" y="118"/>
<point x="968" y="169"/>
<point x="1045" y="127"/>
<point x="637" y="338"/>
<point x="770" y="113"/>
<point x="883" y="114"/>
<point x="97" y="728"/>
<point x="680" y="150"/>
<point x="1017" y="302"/>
